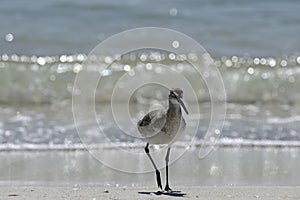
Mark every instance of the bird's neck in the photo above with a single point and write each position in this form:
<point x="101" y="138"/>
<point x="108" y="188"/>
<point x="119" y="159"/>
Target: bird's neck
<point x="174" y="107"/>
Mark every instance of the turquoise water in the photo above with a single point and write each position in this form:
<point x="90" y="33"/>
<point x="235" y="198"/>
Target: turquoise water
<point x="258" y="28"/>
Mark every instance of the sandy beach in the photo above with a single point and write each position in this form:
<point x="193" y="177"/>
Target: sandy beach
<point x="145" y="193"/>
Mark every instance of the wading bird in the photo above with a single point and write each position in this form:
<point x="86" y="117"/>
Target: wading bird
<point x="164" y="126"/>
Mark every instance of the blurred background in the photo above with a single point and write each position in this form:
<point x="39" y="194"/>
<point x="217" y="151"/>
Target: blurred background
<point x="259" y="28"/>
<point x="254" y="44"/>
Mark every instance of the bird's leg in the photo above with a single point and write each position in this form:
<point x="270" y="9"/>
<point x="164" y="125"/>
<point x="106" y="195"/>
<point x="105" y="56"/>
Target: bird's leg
<point x="167" y="188"/>
<point x="158" y="180"/>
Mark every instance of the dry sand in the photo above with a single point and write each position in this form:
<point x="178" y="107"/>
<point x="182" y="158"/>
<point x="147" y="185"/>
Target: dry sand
<point x="96" y="193"/>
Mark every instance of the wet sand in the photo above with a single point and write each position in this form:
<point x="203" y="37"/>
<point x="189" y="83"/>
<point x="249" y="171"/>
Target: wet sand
<point x="223" y="167"/>
<point x="146" y="193"/>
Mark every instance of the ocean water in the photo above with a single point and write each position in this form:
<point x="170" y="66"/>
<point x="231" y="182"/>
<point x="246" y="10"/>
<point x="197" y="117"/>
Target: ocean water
<point x="258" y="28"/>
<point x="262" y="100"/>
<point x="43" y="47"/>
<point x="37" y="127"/>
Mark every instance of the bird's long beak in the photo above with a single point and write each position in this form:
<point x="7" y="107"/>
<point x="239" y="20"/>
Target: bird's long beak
<point x="182" y="104"/>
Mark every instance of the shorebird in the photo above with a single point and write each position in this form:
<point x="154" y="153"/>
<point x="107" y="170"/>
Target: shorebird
<point x="164" y="126"/>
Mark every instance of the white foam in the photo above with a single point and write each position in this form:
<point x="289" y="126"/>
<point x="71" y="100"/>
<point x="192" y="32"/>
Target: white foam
<point x="223" y="142"/>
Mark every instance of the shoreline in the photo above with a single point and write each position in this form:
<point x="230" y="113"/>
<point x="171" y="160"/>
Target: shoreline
<point x="147" y="193"/>
<point x="221" y="143"/>
<point x="223" y="166"/>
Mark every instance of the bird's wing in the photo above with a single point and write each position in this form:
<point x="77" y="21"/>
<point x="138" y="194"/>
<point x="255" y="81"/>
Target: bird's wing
<point x="156" y="119"/>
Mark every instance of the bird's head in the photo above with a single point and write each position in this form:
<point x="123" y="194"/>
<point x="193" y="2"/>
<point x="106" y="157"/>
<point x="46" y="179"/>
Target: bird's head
<point x="177" y="93"/>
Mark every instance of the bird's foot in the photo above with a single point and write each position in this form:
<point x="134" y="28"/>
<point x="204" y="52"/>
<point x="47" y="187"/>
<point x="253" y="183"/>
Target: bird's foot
<point x="168" y="189"/>
<point x="158" y="180"/>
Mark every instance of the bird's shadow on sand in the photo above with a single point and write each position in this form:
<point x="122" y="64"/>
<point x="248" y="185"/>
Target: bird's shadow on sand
<point x="158" y="193"/>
